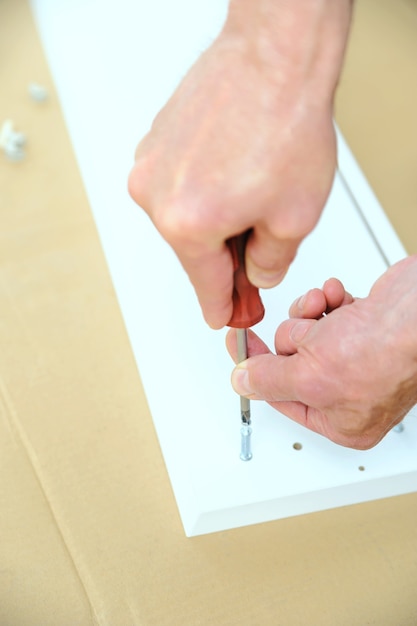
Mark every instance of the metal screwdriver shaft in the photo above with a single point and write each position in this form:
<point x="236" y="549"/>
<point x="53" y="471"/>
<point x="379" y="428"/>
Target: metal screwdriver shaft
<point x="247" y="311"/>
<point x="245" y="430"/>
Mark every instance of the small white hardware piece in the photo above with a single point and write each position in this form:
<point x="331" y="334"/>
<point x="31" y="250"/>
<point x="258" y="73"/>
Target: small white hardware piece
<point x="12" y="142"/>
<point x="37" y="92"/>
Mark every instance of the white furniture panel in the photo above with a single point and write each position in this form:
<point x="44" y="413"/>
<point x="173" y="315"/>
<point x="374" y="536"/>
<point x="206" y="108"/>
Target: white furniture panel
<point x="114" y="65"/>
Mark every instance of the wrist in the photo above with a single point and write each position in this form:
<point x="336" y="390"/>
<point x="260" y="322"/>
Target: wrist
<point x="301" y="42"/>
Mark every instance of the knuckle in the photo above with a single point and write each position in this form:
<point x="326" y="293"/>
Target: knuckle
<point x="139" y="183"/>
<point x="296" y="222"/>
<point x="182" y="226"/>
<point x="135" y="186"/>
<point x="173" y="222"/>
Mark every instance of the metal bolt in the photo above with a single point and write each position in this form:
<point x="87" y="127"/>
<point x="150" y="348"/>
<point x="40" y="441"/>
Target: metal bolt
<point x="245" y="443"/>
<point x="246" y="430"/>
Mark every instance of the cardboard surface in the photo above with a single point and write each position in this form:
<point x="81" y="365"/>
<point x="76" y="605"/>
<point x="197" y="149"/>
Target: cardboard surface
<point x="376" y="106"/>
<point x="89" y="532"/>
<point x="203" y="420"/>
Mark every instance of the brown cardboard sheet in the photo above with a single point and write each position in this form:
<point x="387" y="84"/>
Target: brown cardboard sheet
<point x="376" y="106"/>
<point x="89" y="530"/>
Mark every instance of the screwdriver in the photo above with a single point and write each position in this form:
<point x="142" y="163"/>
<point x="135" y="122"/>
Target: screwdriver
<point x="247" y="311"/>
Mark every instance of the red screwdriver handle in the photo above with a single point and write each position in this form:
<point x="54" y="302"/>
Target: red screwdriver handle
<point x="247" y="305"/>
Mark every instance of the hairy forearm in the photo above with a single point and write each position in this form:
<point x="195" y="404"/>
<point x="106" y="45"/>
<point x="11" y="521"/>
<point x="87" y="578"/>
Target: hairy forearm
<point x="306" y="36"/>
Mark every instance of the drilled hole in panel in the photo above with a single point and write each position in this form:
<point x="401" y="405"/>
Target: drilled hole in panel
<point x="297" y="446"/>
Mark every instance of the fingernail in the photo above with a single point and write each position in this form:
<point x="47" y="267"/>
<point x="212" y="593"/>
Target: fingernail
<point x="240" y="381"/>
<point x="301" y="302"/>
<point x="299" y="331"/>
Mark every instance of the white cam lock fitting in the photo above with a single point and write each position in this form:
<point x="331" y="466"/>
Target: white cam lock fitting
<point x="12" y="142"/>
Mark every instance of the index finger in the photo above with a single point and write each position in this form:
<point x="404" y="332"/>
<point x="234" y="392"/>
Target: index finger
<point x="211" y="275"/>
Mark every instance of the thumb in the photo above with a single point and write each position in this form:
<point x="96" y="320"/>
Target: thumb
<point x="268" y="258"/>
<point x="269" y="377"/>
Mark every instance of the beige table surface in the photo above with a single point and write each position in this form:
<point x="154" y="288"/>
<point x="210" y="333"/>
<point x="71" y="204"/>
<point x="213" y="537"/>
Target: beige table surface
<point x="377" y="103"/>
<point x="89" y="530"/>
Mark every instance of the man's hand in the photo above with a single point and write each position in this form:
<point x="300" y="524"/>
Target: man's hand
<point x="247" y="142"/>
<point x="345" y="368"/>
